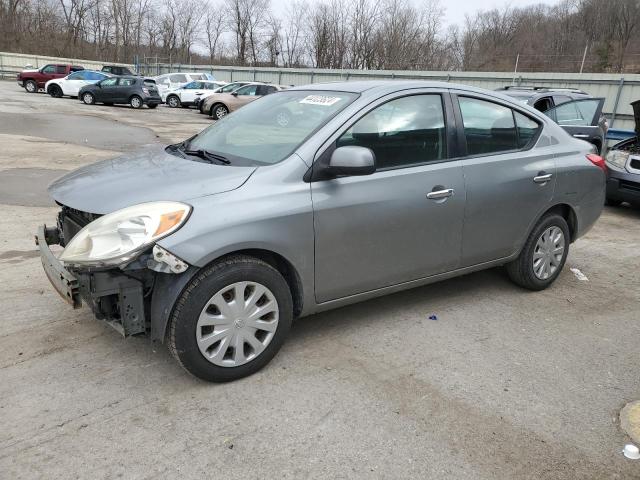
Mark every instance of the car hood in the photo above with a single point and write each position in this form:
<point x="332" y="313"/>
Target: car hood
<point x="30" y="70"/>
<point x="145" y="176"/>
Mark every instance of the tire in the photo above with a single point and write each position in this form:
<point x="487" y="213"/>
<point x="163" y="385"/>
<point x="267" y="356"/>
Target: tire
<point x="55" y="91"/>
<point x="612" y="202"/>
<point x="218" y="283"/>
<point x="219" y="111"/>
<point x="88" y="98"/>
<point x="31" y="86"/>
<point x="173" y="101"/>
<point x="152" y="105"/>
<point x="136" y="102"/>
<point x="522" y="270"/>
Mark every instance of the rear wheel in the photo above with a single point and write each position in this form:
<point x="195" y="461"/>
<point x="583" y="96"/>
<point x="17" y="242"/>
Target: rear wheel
<point x="31" y="86"/>
<point x="135" y="101"/>
<point x="55" y="91"/>
<point x="543" y="255"/>
<point x="231" y="319"/>
<point x="88" y="98"/>
<point x="173" y="101"/>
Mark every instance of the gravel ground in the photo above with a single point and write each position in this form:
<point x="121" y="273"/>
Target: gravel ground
<point x="505" y="384"/>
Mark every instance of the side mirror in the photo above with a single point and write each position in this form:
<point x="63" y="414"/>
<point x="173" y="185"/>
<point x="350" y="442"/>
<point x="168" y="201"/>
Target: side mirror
<point x="352" y="160"/>
<point x="235" y="94"/>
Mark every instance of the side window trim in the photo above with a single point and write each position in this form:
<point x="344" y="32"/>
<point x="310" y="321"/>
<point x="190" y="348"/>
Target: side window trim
<point x="462" y="139"/>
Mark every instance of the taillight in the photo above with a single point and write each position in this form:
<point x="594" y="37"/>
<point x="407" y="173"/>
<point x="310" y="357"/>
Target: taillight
<point x="598" y="161"/>
<point x="145" y="90"/>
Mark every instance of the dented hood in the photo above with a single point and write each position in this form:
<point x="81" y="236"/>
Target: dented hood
<point x="145" y="176"/>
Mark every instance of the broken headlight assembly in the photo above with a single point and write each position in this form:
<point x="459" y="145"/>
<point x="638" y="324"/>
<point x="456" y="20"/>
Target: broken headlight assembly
<point x="120" y="236"/>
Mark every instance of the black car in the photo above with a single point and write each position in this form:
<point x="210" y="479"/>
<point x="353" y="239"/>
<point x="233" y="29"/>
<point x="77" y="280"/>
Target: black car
<point x="576" y="111"/>
<point x="136" y="91"/>
<point x="117" y="70"/>
<point x="623" y="172"/>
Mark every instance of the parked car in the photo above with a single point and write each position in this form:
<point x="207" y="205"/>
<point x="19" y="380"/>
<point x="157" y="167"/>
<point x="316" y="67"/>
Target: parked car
<point x="623" y="160"/>
<point x="171" y="81"/>
<point x="220" y="104"/>
<point x="575" y="110"/>
<point x="186" y="95"/>
<point x="228" y="88"/>
<point x="33" y="80"/>
<point x="71" y="84"/>
<point x="136" y="91"/>
<point x="117" y="70"/>
<point x="215" y="244"/>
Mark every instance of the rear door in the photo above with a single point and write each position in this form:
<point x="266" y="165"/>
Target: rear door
<point x="403" y="222"/>
<point x="509" y="183"/>
<point x="126" y="88"/>
<point x="581" y="118"/>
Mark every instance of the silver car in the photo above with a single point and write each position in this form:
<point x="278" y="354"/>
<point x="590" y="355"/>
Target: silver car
<point x="216" y="244"/>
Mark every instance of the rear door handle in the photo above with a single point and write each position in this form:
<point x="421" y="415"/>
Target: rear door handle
<point x="544" y="178"/>
<point x="439" y="194"/>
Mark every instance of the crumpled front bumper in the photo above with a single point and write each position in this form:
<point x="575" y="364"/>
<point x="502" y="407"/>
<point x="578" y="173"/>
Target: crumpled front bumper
<point x="62" y="280"/>
<point x="113" y="296"/>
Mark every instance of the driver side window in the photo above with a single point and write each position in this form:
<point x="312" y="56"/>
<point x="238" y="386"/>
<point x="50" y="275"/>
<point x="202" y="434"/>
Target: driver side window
<point x="49" y="69"/>
<point x="248" y="90"/>
<point x="403" y="132"/>
<point x="109" y="82"/>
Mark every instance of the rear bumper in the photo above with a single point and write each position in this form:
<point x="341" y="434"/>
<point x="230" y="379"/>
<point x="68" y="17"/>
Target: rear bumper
<point x="152" y="100"/>
<point x="623" y="186"/>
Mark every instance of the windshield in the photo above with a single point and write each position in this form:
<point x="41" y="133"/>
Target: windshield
<point x="269" y="129"/>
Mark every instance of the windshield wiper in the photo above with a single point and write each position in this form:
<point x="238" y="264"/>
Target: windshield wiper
<point x="206" y="155"/>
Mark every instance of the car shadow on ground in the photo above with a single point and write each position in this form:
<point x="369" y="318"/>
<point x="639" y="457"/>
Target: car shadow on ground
<point x="627" y="210"/>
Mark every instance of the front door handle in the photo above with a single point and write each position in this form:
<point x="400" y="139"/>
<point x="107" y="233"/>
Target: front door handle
<point x="440" y="194"/>
<point x="543" y="177"/>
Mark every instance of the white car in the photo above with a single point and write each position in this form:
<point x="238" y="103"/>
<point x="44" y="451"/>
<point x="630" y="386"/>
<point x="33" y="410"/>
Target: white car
<point x="171" y="81"/>
<point x="72" y="83"/>
<point x="187" y="95"/>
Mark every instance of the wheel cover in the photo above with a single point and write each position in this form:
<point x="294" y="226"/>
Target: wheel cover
<point x="31" y="87"/>
<point x="237" y="324"/>
<point x="88" y="98"/>
<point x="548" y="253"/>
<point x="221" y="112"/>
<point x="135" y="102"/>
<point x="173" y="102"/>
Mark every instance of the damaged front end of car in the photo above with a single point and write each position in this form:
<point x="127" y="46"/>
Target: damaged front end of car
<point x="623" y="162"/>
<point x="112" y="264"/>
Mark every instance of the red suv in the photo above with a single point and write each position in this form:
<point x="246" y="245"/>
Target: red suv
<point x="33" y="80"/>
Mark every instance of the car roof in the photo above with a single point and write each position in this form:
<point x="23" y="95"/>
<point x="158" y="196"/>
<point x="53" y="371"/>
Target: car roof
<point x="381" y="87"/>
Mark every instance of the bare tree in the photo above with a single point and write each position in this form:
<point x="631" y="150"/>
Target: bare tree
<point x="213" y="28"/>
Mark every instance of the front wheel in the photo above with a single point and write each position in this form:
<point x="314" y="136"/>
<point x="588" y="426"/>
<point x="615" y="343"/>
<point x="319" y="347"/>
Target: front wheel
<point x="231" y="319"/>
<point x="219" y="111"/>
<point x="55" y="91"/>
<point x="31" y="86"/>
<point x="88" y="98"/>
<point x="543" y="255"/>
<point x="135" y="102"/>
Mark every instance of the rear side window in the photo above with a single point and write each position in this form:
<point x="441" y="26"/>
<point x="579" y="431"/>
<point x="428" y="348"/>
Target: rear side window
<point x="198" y="76"/>
<point x="178" y="78"/>
<point x="527" y="129"/>
<point x="94" y="76"/>
<point x="149" y="83"/>
<point x="488" y="127"/>
<point x="576" y="113"/>
<point x="403" y="132"/>
<point x="61" y="69"/>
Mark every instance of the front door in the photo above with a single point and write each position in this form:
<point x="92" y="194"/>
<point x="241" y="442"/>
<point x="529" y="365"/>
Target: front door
<point x="508" y="181"/>
<point x="402" y="223"/>
<point x="106" y="91"/>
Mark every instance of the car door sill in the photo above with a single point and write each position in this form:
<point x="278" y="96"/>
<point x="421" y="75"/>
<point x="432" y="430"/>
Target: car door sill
<point x="398" y="287"/>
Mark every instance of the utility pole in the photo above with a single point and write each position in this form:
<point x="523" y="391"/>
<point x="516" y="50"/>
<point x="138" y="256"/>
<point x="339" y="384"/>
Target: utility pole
<point x="584" y="56"/>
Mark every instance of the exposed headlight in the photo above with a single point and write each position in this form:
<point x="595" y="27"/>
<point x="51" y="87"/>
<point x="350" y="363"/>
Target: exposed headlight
<point x="617" y="158"/>
<point x="120" y="236"/>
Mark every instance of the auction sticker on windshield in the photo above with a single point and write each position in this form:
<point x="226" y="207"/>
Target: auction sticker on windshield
<point x="325" y="100"/>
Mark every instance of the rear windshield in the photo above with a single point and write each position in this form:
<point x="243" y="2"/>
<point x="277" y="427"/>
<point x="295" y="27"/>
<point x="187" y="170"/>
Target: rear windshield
<point x="149" y="83"/>
<point x="268" y="130"/>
